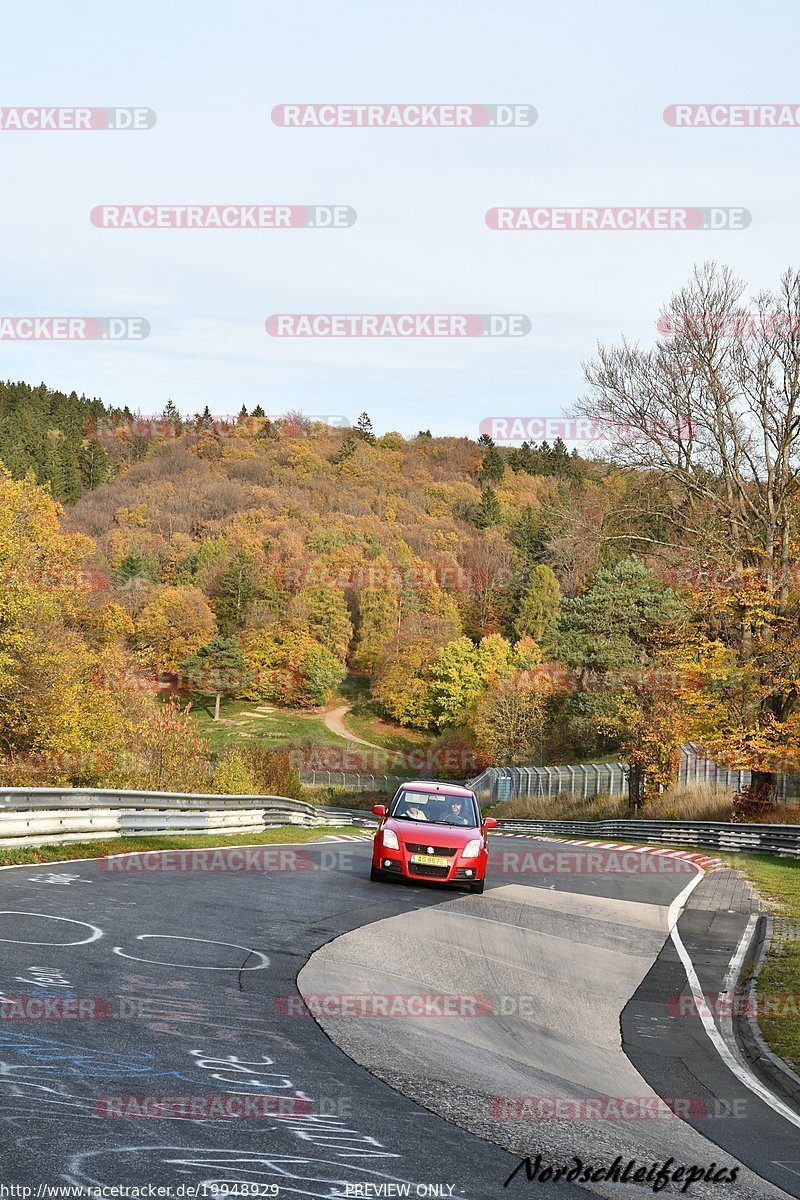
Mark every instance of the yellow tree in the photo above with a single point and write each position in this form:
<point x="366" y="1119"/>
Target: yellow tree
<point x="741" y="675"/>
<point x="173" y="624"/>
<point x="52" y="713"/>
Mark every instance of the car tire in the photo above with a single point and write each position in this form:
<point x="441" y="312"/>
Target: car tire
<point x="477" y="888"/>
<point x="375" y="874"/>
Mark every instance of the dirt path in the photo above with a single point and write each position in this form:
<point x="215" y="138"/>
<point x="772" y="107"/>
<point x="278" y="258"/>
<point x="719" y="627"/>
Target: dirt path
<point x="335" y="722"/>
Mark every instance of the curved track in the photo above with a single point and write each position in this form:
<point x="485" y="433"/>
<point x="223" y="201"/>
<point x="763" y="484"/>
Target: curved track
<point x="193" y="976"/>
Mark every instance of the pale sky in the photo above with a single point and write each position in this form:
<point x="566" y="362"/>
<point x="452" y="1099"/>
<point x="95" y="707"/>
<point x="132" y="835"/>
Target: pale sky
<point x="599" y="77"/>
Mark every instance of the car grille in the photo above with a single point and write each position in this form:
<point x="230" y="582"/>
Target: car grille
<point x="432" y="872"/>
<point x="448" y="851"/>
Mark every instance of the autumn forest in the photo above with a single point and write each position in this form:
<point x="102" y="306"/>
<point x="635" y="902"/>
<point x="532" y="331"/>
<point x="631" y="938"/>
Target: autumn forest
<point x="526" y="604"/>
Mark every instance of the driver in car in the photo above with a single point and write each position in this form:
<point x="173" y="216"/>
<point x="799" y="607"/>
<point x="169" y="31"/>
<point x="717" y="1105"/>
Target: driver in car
<point x="455" y="813"/>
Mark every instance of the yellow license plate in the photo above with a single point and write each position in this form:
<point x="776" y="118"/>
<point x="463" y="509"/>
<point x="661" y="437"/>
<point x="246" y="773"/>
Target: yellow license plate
<point x="431" y="860"/>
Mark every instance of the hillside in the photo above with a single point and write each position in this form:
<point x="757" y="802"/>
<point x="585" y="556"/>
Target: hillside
<point x="478" y="603"/>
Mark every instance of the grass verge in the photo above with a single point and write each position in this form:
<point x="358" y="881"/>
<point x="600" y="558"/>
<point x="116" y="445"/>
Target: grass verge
<point x="778" y="883"/>
<point x="19" y="855"/>
<point x="334" y="797"/>
<point x="395" y="738"/>
<point x="242" y="721"/>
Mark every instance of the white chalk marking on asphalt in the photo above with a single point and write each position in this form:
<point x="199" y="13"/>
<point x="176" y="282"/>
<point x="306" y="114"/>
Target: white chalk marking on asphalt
<point x="193" y="966"/>
<point x="742" y="1073"/>
<point x="95" y="934"/>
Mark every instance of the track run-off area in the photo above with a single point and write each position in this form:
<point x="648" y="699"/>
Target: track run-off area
<point x="155" y="1034"/>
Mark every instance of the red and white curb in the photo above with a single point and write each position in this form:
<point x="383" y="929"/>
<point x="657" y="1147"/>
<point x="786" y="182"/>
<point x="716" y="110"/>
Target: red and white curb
<point x="346" y="837"/>
<point x="710" y="865"/>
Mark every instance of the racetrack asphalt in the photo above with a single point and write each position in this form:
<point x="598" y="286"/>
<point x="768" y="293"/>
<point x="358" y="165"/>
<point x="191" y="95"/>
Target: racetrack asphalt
<point x="193" y="967"/>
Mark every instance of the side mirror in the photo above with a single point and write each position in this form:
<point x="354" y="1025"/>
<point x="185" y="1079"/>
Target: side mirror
<point x="489" y="823"/>
<point x="380" y="810"/>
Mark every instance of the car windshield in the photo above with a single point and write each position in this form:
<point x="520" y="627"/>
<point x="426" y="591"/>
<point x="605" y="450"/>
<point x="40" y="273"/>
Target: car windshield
<point x="435" y="808"/>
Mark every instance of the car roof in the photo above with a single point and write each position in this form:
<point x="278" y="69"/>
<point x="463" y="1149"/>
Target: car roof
<point x="446" y="789"/>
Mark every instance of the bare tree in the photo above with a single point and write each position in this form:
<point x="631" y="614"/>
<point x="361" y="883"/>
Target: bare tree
<point x="712" y="414"/>
<point x="714" y="408"/>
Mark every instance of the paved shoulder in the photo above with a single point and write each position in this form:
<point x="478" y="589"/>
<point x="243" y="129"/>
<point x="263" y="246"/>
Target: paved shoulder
<point x="528" y="1055"/>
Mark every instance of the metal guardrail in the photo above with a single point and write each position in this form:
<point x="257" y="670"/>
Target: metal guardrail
<point x="14" y="798"/>
<point x="783" y="840"/>
<point x="47" y="816"/>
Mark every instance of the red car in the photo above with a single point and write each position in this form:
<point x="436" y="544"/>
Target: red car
<point x="433" y="832"/>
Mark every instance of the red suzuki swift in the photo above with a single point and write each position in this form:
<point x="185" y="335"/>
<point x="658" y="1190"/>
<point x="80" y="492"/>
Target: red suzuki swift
<point x="432" y="833"/>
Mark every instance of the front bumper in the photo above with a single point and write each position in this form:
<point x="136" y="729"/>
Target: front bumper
<point x="460" y="871"/>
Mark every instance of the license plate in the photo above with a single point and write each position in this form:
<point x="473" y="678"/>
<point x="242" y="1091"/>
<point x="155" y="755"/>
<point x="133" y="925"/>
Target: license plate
<point x="431" y="860"/>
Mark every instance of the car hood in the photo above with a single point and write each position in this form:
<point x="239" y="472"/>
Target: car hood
<point x="421" y="832"/>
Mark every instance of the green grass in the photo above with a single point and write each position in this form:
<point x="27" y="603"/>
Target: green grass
<point x="240" y="721"/>
<point x="780" y="976"/>
<point x="13" y="855"/>
<point x="243" y="721"/>
<point x="383" y="733"/>
<point x="778" y="882"/>
<point x="777" y="879"/>
<point x="336" y="797"/>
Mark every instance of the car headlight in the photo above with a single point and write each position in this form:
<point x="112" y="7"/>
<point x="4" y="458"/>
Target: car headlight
<point x="472" y="849"/>
<point x="390" y="841"/>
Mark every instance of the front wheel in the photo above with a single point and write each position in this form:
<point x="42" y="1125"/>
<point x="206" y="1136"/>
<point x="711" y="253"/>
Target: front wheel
<point x="477" y="888"/>
<point x="375" y="875"/>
